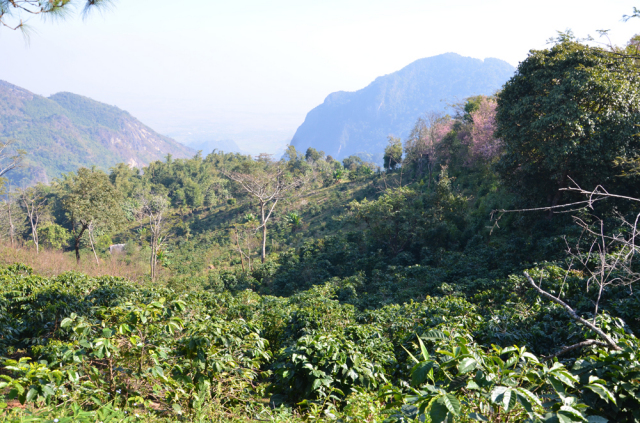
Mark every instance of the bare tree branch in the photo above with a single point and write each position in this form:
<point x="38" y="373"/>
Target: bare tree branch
<point x="582" y="344"/>
<point x="268" y="185"/>
<point x="610" y="342"/>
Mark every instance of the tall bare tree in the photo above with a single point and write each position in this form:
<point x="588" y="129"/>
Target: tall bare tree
<point x="153" y="209"/>
<point x="11" y="216"/>
<point x="268" y="183"/>
<point x="10" y="156"/>
<point x="34" y="202"/>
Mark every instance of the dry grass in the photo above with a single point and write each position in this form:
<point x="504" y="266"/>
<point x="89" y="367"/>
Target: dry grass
<point x="54" y="262"/>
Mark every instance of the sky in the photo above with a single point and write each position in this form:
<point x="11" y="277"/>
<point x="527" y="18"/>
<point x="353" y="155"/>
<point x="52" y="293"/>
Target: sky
<point x="250" y="70"/>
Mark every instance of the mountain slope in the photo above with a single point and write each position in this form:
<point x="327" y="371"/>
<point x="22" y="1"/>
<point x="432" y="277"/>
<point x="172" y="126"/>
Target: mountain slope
<point x="67" y="131"/>
<point x="360" y="122"/>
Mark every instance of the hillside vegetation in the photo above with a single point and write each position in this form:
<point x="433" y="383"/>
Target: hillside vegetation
<point x="483" y="274"/>
<point x="66" y="131"/>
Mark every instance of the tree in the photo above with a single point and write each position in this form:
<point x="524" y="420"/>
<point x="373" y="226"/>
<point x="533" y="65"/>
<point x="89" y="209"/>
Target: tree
<point x="570" y="111"/>
<point x="34" y="202"/>
<point x="152" y="209"/>
<point x="484" y="144"/>
<point x="351" y="163"/>
<point x="10" y="157"/>
<point x="268" y="183"/>
<point x="393" y="154"/>
<point x="91" y="201"/>
<point x="11" y="217"/>
<point x="421" y="146"/>
<point x="13" y="13"/>
<point x="312" y="155"/>
<point x="291" y="154"/>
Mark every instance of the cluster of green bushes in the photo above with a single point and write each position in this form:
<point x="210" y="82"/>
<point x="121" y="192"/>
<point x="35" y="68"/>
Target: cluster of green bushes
<point x="104" y="342"/>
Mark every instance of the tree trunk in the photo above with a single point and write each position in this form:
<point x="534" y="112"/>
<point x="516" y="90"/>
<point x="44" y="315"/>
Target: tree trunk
<point x="77" y="246"/>
<point x="239" y="250"/>
<point x="264" y="233"/>
<point x="92" y="247"/>
<point x="152" y="262"/>
<point x="11" y="228"/>
<point x="558" y="195"/>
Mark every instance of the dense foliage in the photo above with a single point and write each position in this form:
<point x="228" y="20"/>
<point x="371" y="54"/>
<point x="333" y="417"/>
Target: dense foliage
<point x="375" y="295"/>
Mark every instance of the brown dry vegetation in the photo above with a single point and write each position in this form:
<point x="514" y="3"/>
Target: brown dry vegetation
<point x="54" y="262"/>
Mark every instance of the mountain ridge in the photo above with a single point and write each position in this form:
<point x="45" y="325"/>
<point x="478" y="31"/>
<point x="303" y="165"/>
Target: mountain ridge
<point x="359" y="122"/>
<point x="66" y="131"/>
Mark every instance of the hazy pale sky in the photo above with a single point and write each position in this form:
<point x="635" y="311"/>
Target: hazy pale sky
<point x="252" y="69"/>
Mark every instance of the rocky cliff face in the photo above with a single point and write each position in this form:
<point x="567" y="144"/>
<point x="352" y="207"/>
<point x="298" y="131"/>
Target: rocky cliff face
<point x="360" y="122"/>
<point x="67" y="131"/>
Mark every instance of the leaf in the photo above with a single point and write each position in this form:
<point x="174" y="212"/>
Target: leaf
<point x="33" y="393"/>
<point x="411" y="355"/>
<point x="420" y="372"/>
<point x="48" y="391"/>
<point x="526" y="395"/>
<point x="452" y="404"/>
<point x="316" y="384"/>
<point x="434" y="335"/>
<point x="478" y="417"/>
<point x="597" y="419"/>
<point x="438" y="411"/>
<point x="466" y="365"/>
<point x="603" y="392"/>
<point x="565" y="377"/>
<point x="571" y="413"/>
<point x="508" y="399"/>
<point x="531" y="357"/>
<point x="423" y="349"/>
<point x="497" y="393"/>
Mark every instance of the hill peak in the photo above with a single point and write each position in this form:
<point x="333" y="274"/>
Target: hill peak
<point x="67" y="131"/>
<point x="359" y="122"/>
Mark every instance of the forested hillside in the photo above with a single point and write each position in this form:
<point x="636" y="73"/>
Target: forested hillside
<point x="485" y="273"/>
<point x="66" y="131"/>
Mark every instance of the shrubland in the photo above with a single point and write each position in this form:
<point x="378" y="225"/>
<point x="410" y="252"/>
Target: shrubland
<point x="483" y="274"/>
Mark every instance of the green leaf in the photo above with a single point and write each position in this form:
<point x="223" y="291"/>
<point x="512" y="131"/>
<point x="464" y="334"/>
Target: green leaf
<point x="466" y="365"/>
<point x="497" y="392"/>
<point x="423" y="349"/>
<point x="568" y="412"/>
<point x="508" y="399"/>
<point x="420" y="372"/>
<point x="603" y="392"/>
<point x="566" y="378"/>
<point x="452" y="404"/>
<point x="434" y="335"/>
<point x="48" y="391"/>
<point x="438" y="411"/>
<point x="527" y="399"/>
<point x="33" y="393"/>
<point x="478" y="417"/>
<point x="316" y="384"/>
<point x="597" y="419"/>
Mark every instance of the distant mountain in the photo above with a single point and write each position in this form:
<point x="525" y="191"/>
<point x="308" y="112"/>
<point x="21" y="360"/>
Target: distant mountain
<point x="359" y="122"/>
<point x="67" y="131"/>
<point x="207" y="147"/>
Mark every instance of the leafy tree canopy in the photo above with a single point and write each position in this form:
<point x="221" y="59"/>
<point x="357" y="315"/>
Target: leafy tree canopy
<point x="569" y="112"/>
